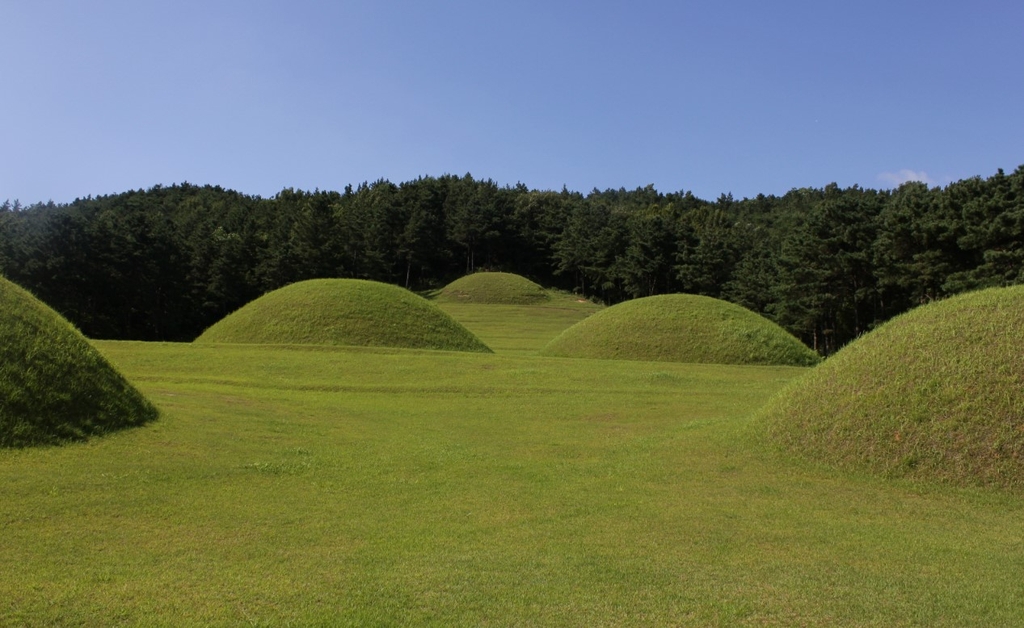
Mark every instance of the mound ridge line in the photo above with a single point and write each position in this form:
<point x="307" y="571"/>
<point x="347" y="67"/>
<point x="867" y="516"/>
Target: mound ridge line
<point x="55" y="387"/>
<point x="344" y="312"/>
<point x="935" y="394"/>
<point x="681" y="328"/>
<point x="495" y="288"/>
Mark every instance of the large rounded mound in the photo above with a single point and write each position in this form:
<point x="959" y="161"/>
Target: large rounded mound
<point x="344" y="312"/>
<point x="496" y="288"/>
<point x="935" y="394"/>
<point x="55" y="386"/>
<point x="681" y="328"/>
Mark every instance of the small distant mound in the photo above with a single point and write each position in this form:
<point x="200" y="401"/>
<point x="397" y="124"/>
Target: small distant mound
<point x="935" y="394"/>
<point x="681" y="328"/>
<point x="496" y="288"/>
<point x="55" y="386"/>
<point x="344" y="312"/>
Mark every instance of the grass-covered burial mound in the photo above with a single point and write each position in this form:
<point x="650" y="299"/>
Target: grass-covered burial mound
<point x="344" y="312"/>
<point x="54" y="385"/>
<point x="935" y="394"/>
<point x="681" y="328"/>
<point x="496" y="288"/>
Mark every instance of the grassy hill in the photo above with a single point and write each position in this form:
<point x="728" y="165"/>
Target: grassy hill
<point x="521" y="329"/>
<point x="54" y="386"/>
<point x="493" y="288"/>
<point x="349" y="485"/>
<point x="343" y="312"/>
<point x="681" y="328"/>
<point x="935" y="394"/>
<point x="352" y="486"/>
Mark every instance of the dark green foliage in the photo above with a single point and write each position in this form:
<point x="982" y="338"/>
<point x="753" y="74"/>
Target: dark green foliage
<point x="54" y="386"/>
<point x="538" y="220"/>
<point x="933" y="394"/>
<point x="315" y="239"/>
<point x="708" y="248"/>
<point x="681" y="328"/>
<point x="827" y="289"/>
<point x="344" y="312"/>
<point x="826" y="264"/>
<point x="6" y="237"/>
<point x="474" y="213"/>
<point x="645" y="267"/>
<point x="586" y="251"/>
<point x="992" y="233"/>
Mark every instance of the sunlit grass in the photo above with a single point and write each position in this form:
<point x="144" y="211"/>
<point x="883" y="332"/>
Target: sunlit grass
<point x="681" y="328"/>
<point x="54" y="386"/>
<point x="343" y="312"/>
<point x="345" y="486"/>
<point x="521" y="329"/>
<point x="935" y="394"/>
<point x="493" y="288"/>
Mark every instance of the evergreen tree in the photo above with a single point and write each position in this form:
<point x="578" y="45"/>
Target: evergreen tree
<point x="992" y="213"/>
<point x="706" y="253"/>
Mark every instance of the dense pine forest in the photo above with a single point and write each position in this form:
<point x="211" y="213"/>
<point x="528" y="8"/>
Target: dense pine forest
<point x="826" y="264"/>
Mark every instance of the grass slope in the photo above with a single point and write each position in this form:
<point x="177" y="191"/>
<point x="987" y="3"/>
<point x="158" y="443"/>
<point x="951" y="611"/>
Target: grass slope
<point x="937" y="394"/>
<point x="521" y="329"/>
<point x="344" y="312"/>
<point x="347" y="486"/>
<point x="54" y="386"/>
<point x="494" y="288"/>
<point x="681" y="328"/>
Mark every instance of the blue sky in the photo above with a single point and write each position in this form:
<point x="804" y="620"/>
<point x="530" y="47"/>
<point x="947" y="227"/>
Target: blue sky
<point x="736" y="97"/>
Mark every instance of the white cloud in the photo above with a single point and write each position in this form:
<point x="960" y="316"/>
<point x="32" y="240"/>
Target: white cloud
<point x="897" y="179"/>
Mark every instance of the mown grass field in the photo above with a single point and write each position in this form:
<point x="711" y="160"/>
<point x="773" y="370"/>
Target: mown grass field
<point x="935" y="393"/>
<point x="493" y="288"/>
<point x="521" y="329"/>
<point x="349" y="312"/>
<point x="288" y="485"/>
<point x="39" y="348"/>
<point x="681" y="328"/>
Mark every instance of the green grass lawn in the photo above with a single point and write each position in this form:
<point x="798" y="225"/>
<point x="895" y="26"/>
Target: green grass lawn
<point x="494" y="288"/>
<point x="38" y="348"/>
<point x="520" y="329"/>
<point x="355" y="486"/>
<point x="935" y="393"/>
<point x="681" y="328"/>
<point x="343" y="312"/>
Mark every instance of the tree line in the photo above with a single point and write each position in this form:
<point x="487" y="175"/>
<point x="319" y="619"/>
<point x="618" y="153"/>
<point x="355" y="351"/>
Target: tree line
<point x="825" y="263"/>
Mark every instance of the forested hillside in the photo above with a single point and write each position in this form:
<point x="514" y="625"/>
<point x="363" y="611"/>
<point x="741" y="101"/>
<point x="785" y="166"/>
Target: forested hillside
<point x="826" y="264"/>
